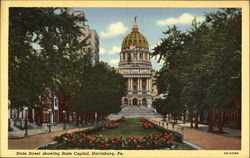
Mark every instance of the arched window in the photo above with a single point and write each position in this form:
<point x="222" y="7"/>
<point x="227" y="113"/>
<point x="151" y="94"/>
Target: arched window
<point x="144" y="102"/>
<point x="125" y="101"/>
<point x="134" y="101"/>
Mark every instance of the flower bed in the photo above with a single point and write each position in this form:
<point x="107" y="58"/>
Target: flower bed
<point x="112" y="125"/>
<point x="146" y="124"/>
<point x="93" y="139"/>
<point x="84" y="141"/>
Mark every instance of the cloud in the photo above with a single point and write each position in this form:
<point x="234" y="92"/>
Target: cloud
<point x="114" y="50"/>
<point x="114" y="61"/>
<point x="103" y="51"/>
<point x="114" y="30"/>
<point x="184" y="19"/>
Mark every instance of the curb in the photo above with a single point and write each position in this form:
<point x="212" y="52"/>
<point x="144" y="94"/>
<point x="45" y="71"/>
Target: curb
<point x="194" y="146"/>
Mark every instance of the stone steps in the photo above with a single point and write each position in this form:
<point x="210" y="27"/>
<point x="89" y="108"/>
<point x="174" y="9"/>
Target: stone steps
<point x="136" y="112"/>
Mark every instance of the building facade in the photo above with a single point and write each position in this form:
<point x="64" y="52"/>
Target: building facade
<point x="91" y="36"/>
<point x="136" y="68"/>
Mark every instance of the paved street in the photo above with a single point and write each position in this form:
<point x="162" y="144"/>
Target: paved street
<point x="205" y="140"/>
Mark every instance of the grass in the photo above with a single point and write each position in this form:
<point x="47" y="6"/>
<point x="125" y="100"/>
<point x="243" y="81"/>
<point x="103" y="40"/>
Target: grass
<point x="130" y="128"/>
<point x="183" y="146"/>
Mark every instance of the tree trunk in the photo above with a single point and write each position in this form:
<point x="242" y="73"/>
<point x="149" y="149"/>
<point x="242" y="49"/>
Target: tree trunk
<point x="77" y="118"/>
<point x="220" y="122"/>
<point x="196" y="116"/>
<point x="184" y="117"/>
<point x="164" y="117"/>
<point x="210" y="121"/>
<point x="191" y="119"/>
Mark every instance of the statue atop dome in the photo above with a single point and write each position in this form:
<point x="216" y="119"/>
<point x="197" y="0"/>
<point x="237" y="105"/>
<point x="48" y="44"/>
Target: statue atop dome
<point x="135" y="26"/>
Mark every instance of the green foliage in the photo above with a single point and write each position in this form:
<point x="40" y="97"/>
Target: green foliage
<point x="101" y="90"/>
<point x="202" y="66"/>
<point x="41" y="42"/>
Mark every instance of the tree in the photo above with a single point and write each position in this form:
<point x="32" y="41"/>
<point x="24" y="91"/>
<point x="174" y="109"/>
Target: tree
<point x="40" y="41"/>
<point x="101" y="92"/>
<point x="202" y="66"/>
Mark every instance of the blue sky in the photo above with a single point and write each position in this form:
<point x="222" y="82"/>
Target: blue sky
<point x="113" y="24"/>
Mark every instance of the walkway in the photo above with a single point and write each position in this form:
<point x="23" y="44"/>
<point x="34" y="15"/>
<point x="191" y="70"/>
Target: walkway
<point x="37" y="137"/>
<point x="205" y="140"/>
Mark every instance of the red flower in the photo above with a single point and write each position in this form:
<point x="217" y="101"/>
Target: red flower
<point x="88" y="137"/>
<point x="105" y="145"/>
<point x="138" y="146"/>
<point x="170" y="141"/>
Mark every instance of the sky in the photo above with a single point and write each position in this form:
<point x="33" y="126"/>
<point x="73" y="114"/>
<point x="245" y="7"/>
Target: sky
<point x="113" y="24"/>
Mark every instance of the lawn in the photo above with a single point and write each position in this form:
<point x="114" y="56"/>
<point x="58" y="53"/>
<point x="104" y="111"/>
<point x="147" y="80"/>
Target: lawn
<point x="130" y="128"/>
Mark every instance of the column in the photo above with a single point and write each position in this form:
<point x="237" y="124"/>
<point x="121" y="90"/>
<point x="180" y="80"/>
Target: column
<point x="147" y="84"/>
<point x="128" y="84"/>
<point x="150" y="85"/>
<point x="138" y="84"/>
<point x="131" y="81"/>
<point x="126" y="56"/>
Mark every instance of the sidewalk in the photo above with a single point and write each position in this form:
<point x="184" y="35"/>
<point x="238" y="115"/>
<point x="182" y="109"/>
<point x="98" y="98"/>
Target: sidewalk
<point x="204" y="139"/>
<point x="19" y="133"/>
<point x="34" y="141"/>
<point x="37" y="137"/>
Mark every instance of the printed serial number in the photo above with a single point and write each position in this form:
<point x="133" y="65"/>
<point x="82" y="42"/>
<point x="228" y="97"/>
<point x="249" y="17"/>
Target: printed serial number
<point x="231" y="153"/>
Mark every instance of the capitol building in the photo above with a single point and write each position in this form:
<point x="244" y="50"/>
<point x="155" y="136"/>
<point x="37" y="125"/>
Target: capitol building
<point x="136" y="68"/>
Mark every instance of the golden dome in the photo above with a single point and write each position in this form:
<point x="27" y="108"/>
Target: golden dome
<point x="135" y="38"/>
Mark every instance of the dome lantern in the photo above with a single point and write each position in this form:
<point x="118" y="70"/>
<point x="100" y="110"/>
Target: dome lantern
<point x="135" y="26"/>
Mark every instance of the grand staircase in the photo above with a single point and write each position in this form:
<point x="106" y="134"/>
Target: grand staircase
<point x="136" y="112"/>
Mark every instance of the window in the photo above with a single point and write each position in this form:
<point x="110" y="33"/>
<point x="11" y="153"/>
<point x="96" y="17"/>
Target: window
<point x="129" y="56"/>
<point x="123" y="56"/>
<point x="141" y="56"/>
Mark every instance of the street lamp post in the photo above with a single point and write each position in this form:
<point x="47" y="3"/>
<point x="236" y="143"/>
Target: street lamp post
<point x="50" y="120"/>
<point x="26" y="121"/>
<point x="64" y="120"/>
